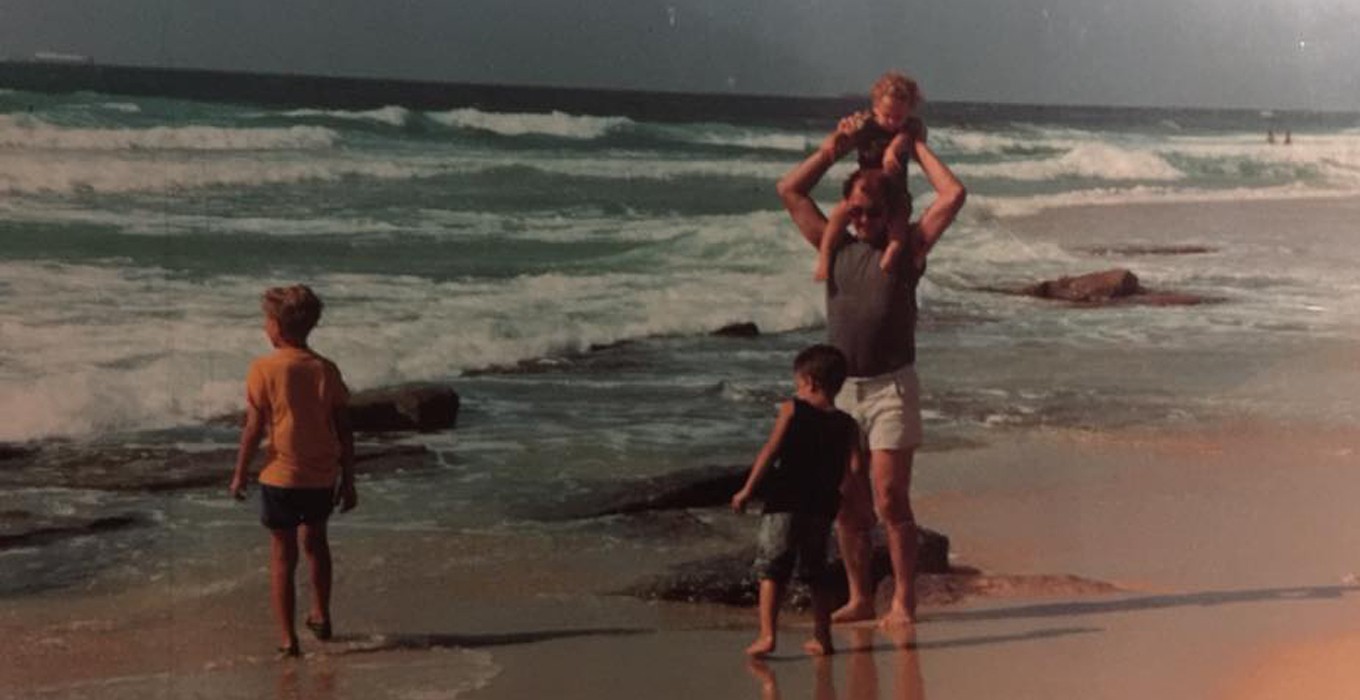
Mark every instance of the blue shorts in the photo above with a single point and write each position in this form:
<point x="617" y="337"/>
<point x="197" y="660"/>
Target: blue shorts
<point x="792" y="545"/>
<point x="284" y="509"/>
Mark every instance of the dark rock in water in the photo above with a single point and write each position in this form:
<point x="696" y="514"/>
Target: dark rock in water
<point x="1096" y="286"/>
<point x="160" y="468"/>
<point x="738" y="330"/>
<point x="20" y="528"/>
<point x="420" y="407"/>
<point x="405" y="408"/>
<point x="701" y="487"/>
<point x="727" y="579"/>
<point x="1117" y="286"/>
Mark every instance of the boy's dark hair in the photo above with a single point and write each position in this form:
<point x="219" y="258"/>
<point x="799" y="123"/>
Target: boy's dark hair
<point x="296" y="309"/>
<point x="824" y="365"/>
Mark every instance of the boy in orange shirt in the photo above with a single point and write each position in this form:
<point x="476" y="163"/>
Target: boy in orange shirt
<point x="299" y="399"/>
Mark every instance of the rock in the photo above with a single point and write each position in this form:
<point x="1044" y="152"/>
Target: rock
<point x="727" y="579"/>
<point x="20" y="528"/>
<point x="700" y="487"/>
<point x="1117" y="286"/>
<point x="738" y="330"/>
<point x="1095" y="286"/>
<point x="419" y="407"/>
<point x="163" y="468"/>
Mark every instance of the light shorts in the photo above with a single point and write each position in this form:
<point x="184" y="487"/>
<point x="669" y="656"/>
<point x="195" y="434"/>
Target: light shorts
<point x="887" y="408"/>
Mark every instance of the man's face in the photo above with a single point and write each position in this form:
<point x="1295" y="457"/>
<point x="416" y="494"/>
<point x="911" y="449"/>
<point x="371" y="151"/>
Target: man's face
<point x="868" y="213"/>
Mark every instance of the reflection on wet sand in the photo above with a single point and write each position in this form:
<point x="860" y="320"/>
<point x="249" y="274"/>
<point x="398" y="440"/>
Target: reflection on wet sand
<point x="861" y="659"/>
<point x="298" y="681"/>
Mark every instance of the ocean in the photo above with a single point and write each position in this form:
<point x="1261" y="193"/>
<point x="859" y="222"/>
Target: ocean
<point x="564" y="272"/>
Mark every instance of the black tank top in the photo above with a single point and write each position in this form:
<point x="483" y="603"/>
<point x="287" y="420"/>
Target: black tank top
<point x="806" y="478"/>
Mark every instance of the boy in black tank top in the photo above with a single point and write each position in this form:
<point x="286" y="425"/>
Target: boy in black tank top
<point x="798" y="476"/>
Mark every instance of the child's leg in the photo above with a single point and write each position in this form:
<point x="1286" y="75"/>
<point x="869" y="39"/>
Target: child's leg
<point x="830" y="240"/>
<point x="820" y="644"/>
<point x="318" y="549"/>
<point x="282" y="562"/>
<point x="771" y="596"/>
<point x="898" y="241"/>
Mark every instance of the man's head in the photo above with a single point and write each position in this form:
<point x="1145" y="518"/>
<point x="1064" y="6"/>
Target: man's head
<point x="822" y="367"/>
<point x="290" y="313"/>
<point x="894" y="98"/>
<point x="869" y="199"/>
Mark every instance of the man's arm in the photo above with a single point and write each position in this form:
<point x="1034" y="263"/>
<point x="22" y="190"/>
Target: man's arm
<point x="765" y="458"/>
<point x="949" y="197"/>
<point x="251" y="435"/>
<point x="795" y="188"/>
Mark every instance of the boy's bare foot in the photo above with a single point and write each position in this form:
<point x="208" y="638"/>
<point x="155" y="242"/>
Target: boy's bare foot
<point x="888" y="262"/>
<point x="854" y="611"/>
<point x="320" y="627"/>
<point x="819" y="646"/>
<point x="760" y="648"/>
<point x="289" y="651"/>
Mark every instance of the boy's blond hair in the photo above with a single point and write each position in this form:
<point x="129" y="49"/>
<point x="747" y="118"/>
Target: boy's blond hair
<point x="297" y="309"/>
<point x="899" y="86"/>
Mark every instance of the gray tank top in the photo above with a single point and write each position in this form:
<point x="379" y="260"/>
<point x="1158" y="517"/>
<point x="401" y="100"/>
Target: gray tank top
<point x="871" y="314"/>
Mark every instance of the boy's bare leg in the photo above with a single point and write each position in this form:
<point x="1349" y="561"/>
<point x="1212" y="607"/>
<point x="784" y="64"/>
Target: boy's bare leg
<point x="820" y="644"/>
<point x="771" y="595"/>
<point x="892" y="499"/>
<point x="897" y="241"/>
<point x="282" y="562"/>
<point x="318" y="549"/>
<point x="853" y="523"/>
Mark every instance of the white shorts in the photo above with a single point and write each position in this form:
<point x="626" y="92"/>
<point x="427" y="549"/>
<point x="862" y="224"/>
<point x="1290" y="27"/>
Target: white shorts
<point x="887" y="408"/>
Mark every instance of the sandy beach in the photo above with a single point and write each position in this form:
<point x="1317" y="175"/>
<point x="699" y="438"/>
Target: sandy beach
<point x="1235" y="544"/>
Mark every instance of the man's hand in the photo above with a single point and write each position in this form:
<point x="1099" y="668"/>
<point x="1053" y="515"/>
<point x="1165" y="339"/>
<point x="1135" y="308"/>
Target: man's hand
<point x="740" y="499"/>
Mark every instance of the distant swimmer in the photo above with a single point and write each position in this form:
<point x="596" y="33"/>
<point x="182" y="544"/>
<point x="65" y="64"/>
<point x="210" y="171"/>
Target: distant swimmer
<point x="1270" y="136"/>
<point x="1288" y="138"/>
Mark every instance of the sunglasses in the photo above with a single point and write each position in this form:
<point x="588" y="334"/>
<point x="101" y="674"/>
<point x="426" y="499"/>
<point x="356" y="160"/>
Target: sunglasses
<point x="865" y="212"/>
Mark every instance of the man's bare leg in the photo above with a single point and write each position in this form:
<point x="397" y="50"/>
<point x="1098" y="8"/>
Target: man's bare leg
<point x="853" y="524"/>
<point x="891" y="471"/>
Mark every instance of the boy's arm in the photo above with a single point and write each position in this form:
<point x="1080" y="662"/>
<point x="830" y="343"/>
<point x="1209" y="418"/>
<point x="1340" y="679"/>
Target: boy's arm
<point x="949" y="197"/>
<point x="765" y="458"/>
<point x="345" y="496"/>
<point x="251" y="435"/>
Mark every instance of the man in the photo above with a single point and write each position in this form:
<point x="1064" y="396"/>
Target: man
<point x="871" y="318"/>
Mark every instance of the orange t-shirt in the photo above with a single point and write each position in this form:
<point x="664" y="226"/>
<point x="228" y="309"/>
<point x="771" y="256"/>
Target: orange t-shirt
<point x="299" y="392"/>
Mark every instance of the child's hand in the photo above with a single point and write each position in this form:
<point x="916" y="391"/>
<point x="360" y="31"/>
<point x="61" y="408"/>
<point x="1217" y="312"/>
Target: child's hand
<point x="895" y="155"/>
<point x="346" y="497"/>
<point x="237" y="488"/>
<point x="740" y="499"/>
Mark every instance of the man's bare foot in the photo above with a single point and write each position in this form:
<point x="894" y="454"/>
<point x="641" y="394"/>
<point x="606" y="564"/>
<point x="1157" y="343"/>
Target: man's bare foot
<point x="760" y="648"/>
<point x="854" y="611"/>
<point x="897" y="617"/>
<point x="819" y="646"/>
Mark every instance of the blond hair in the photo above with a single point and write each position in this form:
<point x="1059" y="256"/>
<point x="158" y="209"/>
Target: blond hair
<point x="296" y="309"/>
<point x="897" y="86"/>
